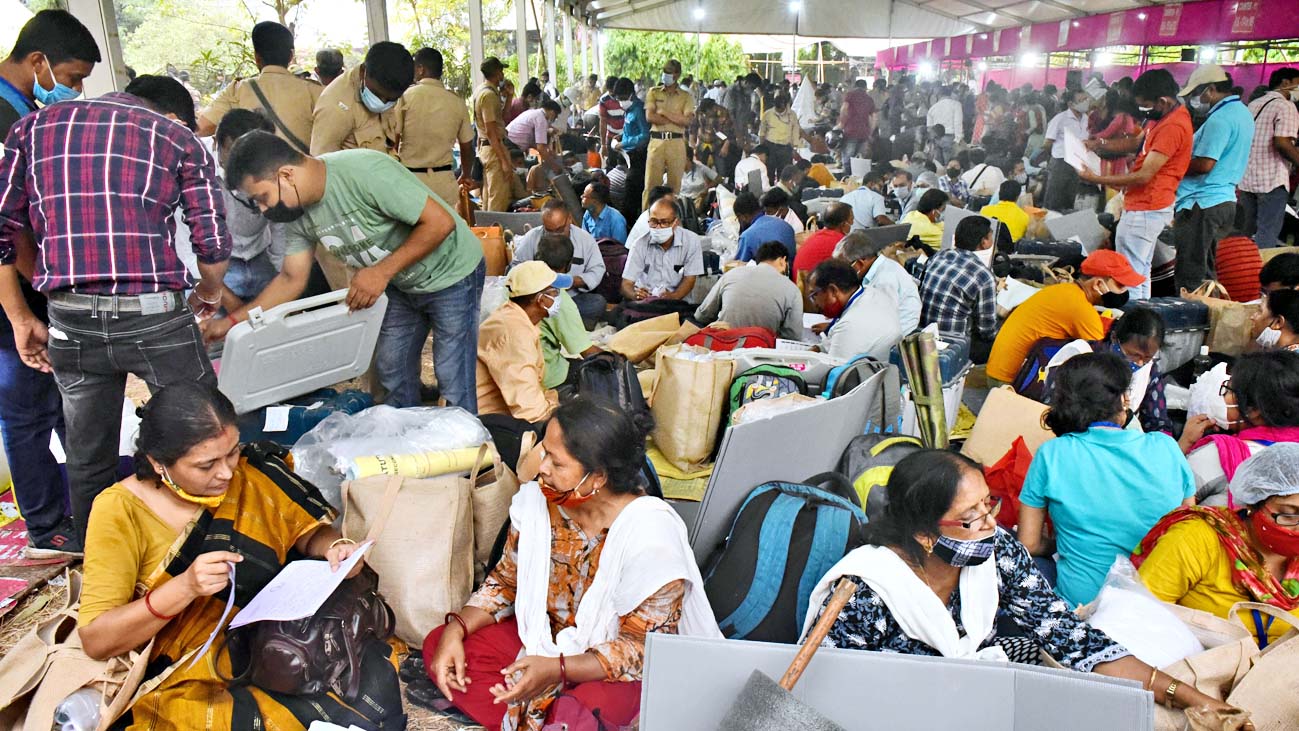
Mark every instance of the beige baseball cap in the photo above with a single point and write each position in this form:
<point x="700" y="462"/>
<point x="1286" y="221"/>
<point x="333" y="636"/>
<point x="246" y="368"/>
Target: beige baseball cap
<point x="531" y="277"/>
<point x="1209" y="73"/>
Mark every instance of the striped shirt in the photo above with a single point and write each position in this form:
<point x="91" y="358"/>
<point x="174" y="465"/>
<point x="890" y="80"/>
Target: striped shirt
<point x="1238" y="265"/>
<point x="98" y="181"/>
<point x="1274" y="116"/>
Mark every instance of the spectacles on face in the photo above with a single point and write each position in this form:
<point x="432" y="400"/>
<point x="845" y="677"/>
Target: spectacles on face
<point x="662" y="222"/>
<point x="1225" y="389"/>
<point x="1285" y="520"/>
<point x="993" y="504"/>
<point x="246" y="202"/>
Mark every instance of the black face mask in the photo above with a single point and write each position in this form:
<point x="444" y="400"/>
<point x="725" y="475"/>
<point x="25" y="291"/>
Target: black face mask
<point x="1152" y="114"/>
<point x="953" y="174"/>
<point x="280" y="213"/>
<point x="1115" y="300"/>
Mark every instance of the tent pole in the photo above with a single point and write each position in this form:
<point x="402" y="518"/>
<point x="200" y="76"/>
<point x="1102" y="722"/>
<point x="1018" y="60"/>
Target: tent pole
<point x="521" y="40"/>
<point x="568" y="46"/>
<point x="476" y="43"/>
<point x="585" y="30"/>
<point x="1262" y="69"/>
<point x="100" y="19"/>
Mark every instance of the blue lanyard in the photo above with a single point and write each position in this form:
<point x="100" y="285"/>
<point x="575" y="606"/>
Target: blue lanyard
<point x="1104" y="423"/>
<point x="851" y="300"/>
<point x="1220" y="105"/>
<point x="1261" y="629"/>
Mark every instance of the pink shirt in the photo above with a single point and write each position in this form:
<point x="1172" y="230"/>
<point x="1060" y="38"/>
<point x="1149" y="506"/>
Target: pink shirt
<point x="529" y="129"/>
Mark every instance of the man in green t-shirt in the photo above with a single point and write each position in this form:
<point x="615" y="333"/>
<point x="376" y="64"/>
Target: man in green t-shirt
<point x="401" y="239"/>
<point x="562" y="332"/>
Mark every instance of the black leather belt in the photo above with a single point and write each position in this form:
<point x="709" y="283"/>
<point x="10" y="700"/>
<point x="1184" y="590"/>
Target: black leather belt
<point x="439" y="169"/>
<point x="666" y="135"/>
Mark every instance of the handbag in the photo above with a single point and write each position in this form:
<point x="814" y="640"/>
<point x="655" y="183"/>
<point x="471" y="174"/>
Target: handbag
<point x="689" y="403"/>
<point x="1229" y="322"/>
<point x="49" y="664"/>
<point x="317" y="654"/>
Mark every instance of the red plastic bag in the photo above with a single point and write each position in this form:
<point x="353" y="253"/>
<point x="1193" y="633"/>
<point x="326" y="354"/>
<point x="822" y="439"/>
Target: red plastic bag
<point x="1006" y="480"/>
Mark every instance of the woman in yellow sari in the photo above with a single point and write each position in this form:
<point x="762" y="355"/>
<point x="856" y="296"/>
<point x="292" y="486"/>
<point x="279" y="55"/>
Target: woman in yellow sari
<point x="163" y="548"/>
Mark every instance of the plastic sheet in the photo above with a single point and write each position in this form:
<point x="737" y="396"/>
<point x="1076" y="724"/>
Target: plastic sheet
<point x="1206" y="396"/>
<point x="494" y="295"/>
<point x="323" y="454"/>
<point x="1132" y="616"/>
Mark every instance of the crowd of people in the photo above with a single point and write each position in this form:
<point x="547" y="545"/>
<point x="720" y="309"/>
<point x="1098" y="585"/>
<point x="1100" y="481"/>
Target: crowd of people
<point x="137" y="230"/>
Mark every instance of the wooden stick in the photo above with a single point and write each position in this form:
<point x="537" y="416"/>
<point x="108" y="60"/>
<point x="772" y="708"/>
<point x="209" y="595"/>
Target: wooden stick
<point x="818" y="633"/>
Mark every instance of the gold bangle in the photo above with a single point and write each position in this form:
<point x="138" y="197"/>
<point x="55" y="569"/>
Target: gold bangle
<point x="341" y="540"/>
<point x="1168" y="694"/>
<point x="1151" y="685"/>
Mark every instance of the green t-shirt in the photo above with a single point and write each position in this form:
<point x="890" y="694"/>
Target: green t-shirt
<point x="562" y="334"/>
<point x="370" y="205"/>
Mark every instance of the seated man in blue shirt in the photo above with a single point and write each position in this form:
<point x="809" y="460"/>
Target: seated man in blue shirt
<point x="600" y="219"/>
<point x="757" y="228"/>
<point x="1206" y="199"/>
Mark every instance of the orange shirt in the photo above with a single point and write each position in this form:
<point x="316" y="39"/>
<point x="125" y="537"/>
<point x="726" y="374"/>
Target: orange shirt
<point x="1171" y="136"/>
<point x="1060" y="312"/>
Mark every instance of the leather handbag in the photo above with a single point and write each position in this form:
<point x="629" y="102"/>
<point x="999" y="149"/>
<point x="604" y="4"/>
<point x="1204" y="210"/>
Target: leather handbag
<point x="318" y="654"/>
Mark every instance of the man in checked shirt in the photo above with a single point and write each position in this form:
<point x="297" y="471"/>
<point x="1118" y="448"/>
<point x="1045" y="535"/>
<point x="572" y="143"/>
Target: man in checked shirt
<point x="97" y="181"/>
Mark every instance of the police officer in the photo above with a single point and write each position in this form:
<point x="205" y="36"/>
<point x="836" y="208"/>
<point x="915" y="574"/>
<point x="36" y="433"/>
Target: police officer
<point x="357" y="111"/>
<point x="669" y="110"/>
<point x="431" y="120"/>
<point x="491" y="137"/>
<point x="287" y="100"/>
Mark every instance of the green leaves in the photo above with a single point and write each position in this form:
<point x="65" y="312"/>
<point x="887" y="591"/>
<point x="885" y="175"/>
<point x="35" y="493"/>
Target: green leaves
<point x="640" y="55"/>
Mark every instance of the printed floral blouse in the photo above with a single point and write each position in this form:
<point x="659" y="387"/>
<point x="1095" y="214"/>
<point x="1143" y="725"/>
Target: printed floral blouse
<point x="574" y="559"/>
<point x="1027" y="600"/>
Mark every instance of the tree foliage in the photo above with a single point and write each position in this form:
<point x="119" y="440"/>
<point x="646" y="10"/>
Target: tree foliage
<point x="640" y="55"/>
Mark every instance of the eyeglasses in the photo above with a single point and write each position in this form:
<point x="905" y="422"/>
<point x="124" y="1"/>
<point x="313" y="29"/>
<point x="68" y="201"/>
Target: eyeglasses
<point x="1285" y="520"/>
<point x="248" y="203"/>
<point x="1225" y="389"/>
<point x="993" y="504"/>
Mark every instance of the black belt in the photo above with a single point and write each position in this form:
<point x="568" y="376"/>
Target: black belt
<point x="439" y="169"/>
<point x="666" y="135"/>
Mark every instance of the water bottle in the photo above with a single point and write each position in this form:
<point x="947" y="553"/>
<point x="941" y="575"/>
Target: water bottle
<point x="1202" y="362"/>
<point x="78" y="712"/>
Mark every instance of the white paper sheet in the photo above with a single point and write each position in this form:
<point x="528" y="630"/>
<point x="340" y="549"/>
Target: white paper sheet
<point x="1077" y="154"/>
<point x="810" y="319"/>
<point x="298" y="590"/>
<point x="792" y="346"/>
<point x="859" y="166"/>
<point x="277" y="418"/>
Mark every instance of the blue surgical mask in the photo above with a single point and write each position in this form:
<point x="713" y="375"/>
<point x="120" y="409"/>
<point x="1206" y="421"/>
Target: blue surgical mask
<point x="60" y="92"/>
<point x="1119" y="352"/>
<point x="373" y="102"/>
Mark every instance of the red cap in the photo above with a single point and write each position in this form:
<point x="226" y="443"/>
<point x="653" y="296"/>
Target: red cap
<point x="1106" y="263"/>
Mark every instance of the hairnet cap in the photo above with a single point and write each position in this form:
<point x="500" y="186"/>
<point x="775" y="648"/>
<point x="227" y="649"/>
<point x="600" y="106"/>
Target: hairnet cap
<point x="1273" y="471"/>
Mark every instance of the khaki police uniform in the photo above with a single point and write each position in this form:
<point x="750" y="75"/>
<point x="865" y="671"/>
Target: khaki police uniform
<point x="293" y="100"/>
<point x="431" y="120"/>
<point x="496" y="184"/>
<point x="341" y="121"/>
<point x="667" y="146"/>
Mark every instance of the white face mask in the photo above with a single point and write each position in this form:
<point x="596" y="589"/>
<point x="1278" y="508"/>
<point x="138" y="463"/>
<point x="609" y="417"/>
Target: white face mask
<point x="1268" y="338"/>
<point x="625" y="104"/>
<point x="661" y="236"/>
<point x="1218" y="412"/>
<point x="985" y="256"/>
<point x="553" y="309"/>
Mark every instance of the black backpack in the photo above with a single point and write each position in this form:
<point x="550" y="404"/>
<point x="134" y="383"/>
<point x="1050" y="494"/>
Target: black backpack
<point x="868" y="461"/>
<point x="610" y="377"/>
<point x="785" y="537"/>
<point x="841" y="380"/>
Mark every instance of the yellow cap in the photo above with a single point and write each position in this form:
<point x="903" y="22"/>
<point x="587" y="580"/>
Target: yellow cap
<point x="531" y="277"/>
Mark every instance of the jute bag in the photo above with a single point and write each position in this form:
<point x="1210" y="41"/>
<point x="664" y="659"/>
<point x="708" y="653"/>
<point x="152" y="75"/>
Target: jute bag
<point x="689" y="400"/>
<point x="492" y="494"/>
<point x="1229" y="325"/>
<point x="49" y="664"/>
<point x="1270" y="690"/>
<point x="495" y="253"/>
<point x="639" y="341"/>
<point x="424" y="534"/>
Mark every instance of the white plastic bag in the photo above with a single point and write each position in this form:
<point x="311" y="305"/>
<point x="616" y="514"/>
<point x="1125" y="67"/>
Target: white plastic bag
<point x="1132" y="616"/>
<point x="323" y="454"/>
<point x="726" y="213"/>
<point x="494" y="295"/>
<point x="1206" y="394"/>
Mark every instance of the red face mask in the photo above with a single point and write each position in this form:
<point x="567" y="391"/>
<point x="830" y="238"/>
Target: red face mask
<point x="567" y="497"/>
<point x="832" y="309"/>
<point x="1272" y="536"/>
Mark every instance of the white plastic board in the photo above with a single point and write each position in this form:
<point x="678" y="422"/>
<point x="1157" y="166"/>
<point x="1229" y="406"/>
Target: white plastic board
<point x="951" y="217"/>
<point x="874" y="691"/>
<point x="1080" y="224"/>
<point x="296" y="348"/>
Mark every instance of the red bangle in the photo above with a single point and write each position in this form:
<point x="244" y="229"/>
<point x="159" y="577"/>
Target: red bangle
<point x="233" y="318"/>
<point x="155" y="612"/>
<point x="452" y="615"/>
<point x="563" y="672"/>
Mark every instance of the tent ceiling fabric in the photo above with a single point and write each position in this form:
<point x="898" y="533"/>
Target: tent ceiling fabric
<point x="840" y="18"/>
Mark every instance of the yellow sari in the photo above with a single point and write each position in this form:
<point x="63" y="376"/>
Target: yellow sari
<point x="266" y="511"/>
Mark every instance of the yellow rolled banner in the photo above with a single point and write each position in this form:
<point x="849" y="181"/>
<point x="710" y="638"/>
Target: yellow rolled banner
<point x="418" y="464"/>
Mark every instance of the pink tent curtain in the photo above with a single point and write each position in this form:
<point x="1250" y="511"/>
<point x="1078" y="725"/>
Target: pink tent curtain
<point x="1197" y="23"/>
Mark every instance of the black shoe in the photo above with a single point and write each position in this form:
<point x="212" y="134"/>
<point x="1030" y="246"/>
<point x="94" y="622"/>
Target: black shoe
<point x="412" y="669"/>
<point x="427" y="695"/>
<point x="62" y="542"/>
<point x="429" y="394"/>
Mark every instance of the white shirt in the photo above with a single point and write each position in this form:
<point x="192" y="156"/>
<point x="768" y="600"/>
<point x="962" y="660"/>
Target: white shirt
<point x="989" y="179"/>
<point x="892" y="276"/>
<point x="660" y="271"/>
<point x="742" y="169"/>
<point x="949" y="113"/>
<point x="695" y="180"/>
<point x="588" y="263"/>
<point x="866" y="205"/>
<point x="1060" y="123"/>
<point x="639" y="230"/>
<point x="716" y="93"/>
<point x="870" y="326"/>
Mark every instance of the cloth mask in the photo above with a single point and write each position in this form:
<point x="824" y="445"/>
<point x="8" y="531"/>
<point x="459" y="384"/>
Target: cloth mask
<point x="1117" y="350"/>
<point x="280" y="213"/>
<point x="569" y="497"/>
<point x="374" y="103"/>
<point x="1268" y="338"/>
<point x="986" y="256"/>
<point x="953" y="173"/>
<point x="1272" y="536"/>
<point x="210" y="502"/>
<point x="1115" y="300"/>
<point x="961" y="553"/>
<point x="60" y="92"/>
<point x="660" y="236"/>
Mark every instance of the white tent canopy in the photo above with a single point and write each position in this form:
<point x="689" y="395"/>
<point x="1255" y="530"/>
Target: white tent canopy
<point x="837" y="19"/>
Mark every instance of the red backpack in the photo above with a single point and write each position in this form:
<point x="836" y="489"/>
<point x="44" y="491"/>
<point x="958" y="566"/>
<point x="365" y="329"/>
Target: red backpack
<point x="721" y="339"/>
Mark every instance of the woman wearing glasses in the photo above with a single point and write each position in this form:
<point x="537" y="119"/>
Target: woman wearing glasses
<point x="1261" y="408"/>
<point x="1103" y="485"/>
<point x="1211" y="558"/>
<point x="936" y="571"/>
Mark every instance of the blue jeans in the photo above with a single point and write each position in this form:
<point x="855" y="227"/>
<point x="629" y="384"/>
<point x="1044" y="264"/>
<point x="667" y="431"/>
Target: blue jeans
<point x="30" y="409"/>
<point x="452" y="316"/>
<point x="590" y="305"/>
<point x="248" y="277"/>
<point x="92" y="351"/>
<point x="1263" y="214"/>
<point x="1135" y="238"/>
